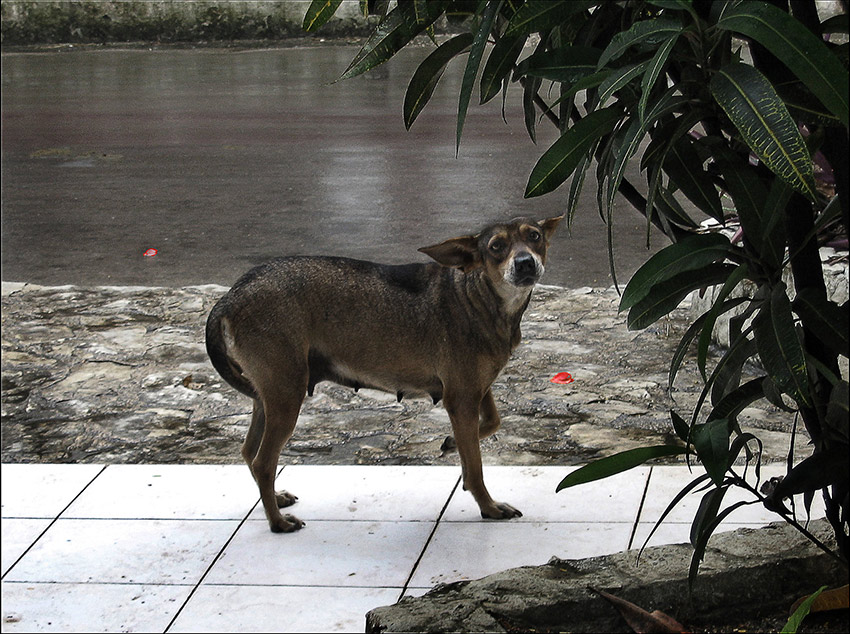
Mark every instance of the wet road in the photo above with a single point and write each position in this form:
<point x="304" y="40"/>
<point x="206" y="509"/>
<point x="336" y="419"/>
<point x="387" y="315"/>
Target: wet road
<point x="221" y="159"/>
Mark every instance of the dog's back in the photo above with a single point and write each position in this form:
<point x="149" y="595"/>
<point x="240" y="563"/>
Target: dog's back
<point x="357" y="323"/>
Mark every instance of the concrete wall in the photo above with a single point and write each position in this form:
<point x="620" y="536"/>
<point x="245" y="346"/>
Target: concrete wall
<point x="49" y="21"/>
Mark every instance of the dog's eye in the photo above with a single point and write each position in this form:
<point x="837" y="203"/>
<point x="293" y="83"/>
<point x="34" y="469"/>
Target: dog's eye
<point x="497" y="246"/>
<point x="534" y="235"/>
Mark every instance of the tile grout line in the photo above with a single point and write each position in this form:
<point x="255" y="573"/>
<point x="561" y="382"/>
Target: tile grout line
<point x="215" y="560"/>
<point x="52" y="522"/>
<point x="640" y="509"/>
<point x="430" y="537"/>
<point x="210" y="567"/>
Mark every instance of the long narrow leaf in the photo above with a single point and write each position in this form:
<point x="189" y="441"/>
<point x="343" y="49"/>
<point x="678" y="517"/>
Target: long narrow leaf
<point x="682" y="348"/>
<point x="838" y="410"/>
<point x="692" y="252"/>
<point x="706" y="513"/>
<point x="798" y="48"/>
<point x="746" y="190"/>
<point x="618" y="79"/>
<point x="499" y="64"/>
<point x="393" y="33"/>
<point x="667" y="295"/>
<point x="654" y="183"/>
<point x="796" y="619"/>
<point x="827" y="320"/>
<point x="424" y="80"/>
<point x="708" y="528"/>
<point x="742" y="441"/>
<point x="559" y="161"/>
<point x="818" y="471"/>
<point x="566" y="64"/>
<point x="727" y="374"/>
<point x="779" y="347"/>
<point x="628" y="145"/>
<point x="732" y="404"/>
<point x="537" y="15"/>
<point x="529" y="91"/>
<point x="676" y="499"/>
<point x="729" y="285"/>
<point x="650" y="32"/>
<point x="318" y="13"/>
<point x="476" y="52"/>
<point x="684" y="167"/>
<point x="576" y="186"/>
<point x="623" y="461"/>
<point x="711" y="443"/>
<point x="741" y="349"/>
<point x="656" y="65"/>
<point x="761" y="117"/>
<point x="773" y="223"/>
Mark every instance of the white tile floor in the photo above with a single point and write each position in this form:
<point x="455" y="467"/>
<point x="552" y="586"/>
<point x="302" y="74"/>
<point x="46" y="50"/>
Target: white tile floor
<point x="161" y="548"/>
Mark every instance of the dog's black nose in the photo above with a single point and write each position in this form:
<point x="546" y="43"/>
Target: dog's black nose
<point x="525" y="266"/>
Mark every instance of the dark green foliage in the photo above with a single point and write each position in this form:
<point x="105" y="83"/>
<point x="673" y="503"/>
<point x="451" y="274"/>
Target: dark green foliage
<point x="731" y="138"/>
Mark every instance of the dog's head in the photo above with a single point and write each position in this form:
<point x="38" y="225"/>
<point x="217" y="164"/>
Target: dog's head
<point x="511" y="254"/>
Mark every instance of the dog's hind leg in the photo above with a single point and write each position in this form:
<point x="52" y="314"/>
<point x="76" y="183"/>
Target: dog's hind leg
<point x="255" y="433"/>
<point x="252" y="445"/>
<point x="281" y="412"/>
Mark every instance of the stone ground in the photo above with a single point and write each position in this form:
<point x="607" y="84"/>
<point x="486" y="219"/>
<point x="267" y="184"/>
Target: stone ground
<point x="121" y="375"/>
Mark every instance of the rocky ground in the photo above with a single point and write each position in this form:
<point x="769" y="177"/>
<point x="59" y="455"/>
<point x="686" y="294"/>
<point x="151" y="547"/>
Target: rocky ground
<point x="120" y="375"/>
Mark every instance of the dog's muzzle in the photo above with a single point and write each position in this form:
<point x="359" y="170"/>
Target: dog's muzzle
<point x="526" y="270"/>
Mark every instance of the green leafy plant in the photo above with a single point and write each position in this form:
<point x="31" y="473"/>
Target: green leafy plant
<point x="728" y="106"/>
<point x="796" y="619"/>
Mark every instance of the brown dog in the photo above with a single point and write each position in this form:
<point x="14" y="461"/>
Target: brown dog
<point x="442" y="330"/>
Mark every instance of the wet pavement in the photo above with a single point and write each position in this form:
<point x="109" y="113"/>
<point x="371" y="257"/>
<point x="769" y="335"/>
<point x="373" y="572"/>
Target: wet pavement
<point x="222" y="158"/>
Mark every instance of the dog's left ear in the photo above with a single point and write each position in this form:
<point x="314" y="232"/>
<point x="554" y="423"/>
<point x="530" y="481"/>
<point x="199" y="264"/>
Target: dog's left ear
<point x="461" y="253"/>
<point x="550" y="224"/>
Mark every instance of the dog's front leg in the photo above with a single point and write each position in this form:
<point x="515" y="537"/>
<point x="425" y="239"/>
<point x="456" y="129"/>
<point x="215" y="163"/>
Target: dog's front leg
<point x="463" y="413"/>
<point x="488" y="423"/>
<point x="490" y="420"/>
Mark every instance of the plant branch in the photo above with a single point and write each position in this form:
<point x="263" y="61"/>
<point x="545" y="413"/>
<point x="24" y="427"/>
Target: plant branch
<point x="788" y="517"/>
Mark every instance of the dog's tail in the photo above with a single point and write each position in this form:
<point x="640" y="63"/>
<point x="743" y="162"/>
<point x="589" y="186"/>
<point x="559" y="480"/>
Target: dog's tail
<point x="217" y="350"/>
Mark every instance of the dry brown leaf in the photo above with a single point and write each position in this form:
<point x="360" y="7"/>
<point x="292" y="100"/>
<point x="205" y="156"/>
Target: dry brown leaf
<point x="834" y="599"/>
<point x="641" y="621"/>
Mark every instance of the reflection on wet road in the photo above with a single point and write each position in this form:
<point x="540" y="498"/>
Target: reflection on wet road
<point x="220" y="159"/>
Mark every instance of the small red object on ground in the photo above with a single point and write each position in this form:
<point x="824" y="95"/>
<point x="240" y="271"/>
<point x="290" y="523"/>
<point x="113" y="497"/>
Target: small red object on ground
<point x="150" y="253"/>
<point x="562" y="378"/>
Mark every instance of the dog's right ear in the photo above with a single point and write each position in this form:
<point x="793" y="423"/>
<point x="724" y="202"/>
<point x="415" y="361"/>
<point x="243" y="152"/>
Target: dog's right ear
<point x="461" y="253"/>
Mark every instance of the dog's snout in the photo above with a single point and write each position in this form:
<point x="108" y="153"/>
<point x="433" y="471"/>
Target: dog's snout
<point x="524" y="265"/>
<point x="525" y="270"/>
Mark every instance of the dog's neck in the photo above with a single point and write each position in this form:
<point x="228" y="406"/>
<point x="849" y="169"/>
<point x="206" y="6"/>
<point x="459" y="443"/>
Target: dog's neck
<point x="514" y="299"/>
<point x="501" y="305"/>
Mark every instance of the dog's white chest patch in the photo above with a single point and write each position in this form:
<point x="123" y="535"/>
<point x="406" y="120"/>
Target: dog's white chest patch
<point x="514" y="297"/>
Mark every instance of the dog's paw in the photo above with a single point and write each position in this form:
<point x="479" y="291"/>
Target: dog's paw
<point x="284" y="498"/>
<point x="449" y="444"/>
<point x="500" y="511"/>
<point x="285" y="524"/>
